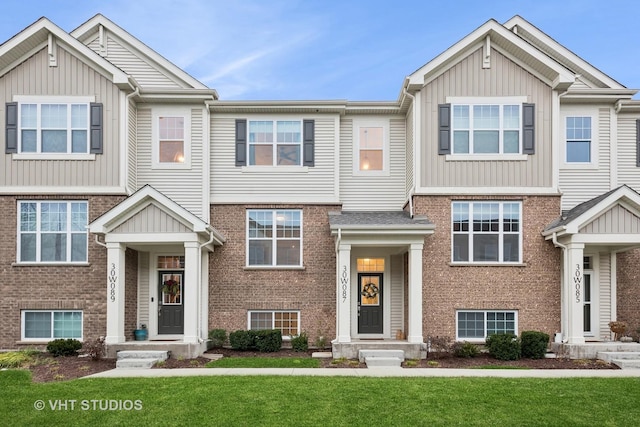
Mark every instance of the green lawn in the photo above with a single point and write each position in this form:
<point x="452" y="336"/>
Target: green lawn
<point x="325" y="401"/>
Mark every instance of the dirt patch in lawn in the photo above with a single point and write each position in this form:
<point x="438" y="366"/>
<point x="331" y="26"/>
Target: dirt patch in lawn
<point x="46" y="368"/>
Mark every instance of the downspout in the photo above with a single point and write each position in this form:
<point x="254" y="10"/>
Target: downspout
<point x="126" y="147"/>
<point x="104" y="245"/>
<point x="413" y="157"/>
<point x="566" y="273"/>
<point x="199" y="293"/>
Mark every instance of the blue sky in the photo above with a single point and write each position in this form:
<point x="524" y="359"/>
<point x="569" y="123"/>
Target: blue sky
<point x="336" y="49"/>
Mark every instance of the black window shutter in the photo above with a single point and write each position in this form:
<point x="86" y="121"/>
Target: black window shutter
<point x="95" y="144"/>
<point x="241" y="142"/>
<point x="308" y="142"/>
<point x="11" y="123"/>
<point x="638" y="143"/>
<point x="528" y="128"/>
<point x="444" y="129"/>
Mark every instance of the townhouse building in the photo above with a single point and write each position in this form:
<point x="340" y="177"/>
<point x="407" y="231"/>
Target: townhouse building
<point x="498" y="193"/>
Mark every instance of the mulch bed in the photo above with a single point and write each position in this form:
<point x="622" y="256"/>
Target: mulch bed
<point x="47" y="368"/>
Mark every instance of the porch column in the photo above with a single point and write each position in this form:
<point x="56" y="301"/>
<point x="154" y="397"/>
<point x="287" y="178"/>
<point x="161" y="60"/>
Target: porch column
<point x="191" y="297"/>
<point x="414" y="333"/>
<point x="574" y="304"/>
<point x="343" y="294"/>
<point x="115" y="293"/>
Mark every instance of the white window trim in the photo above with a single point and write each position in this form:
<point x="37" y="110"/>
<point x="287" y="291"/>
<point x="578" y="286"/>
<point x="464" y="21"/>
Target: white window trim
<point x="482" y="340"/>
<point x="46" y="99"/>
<point x="500" y="234"/>
<point x="386" y="146"/>
<point x="273" y="319"/>
<point x="22" y="325"/>
<point x="275" y="167"/>
<point x="487" y="100"/>
<point x="274" y="241"/>
<point x="591" y="112"/>
<point x="157" y="112"/>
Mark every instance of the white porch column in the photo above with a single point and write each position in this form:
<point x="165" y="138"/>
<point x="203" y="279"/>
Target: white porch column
<point x="414" y="333"/>
<point x="343" y="294"/>
<point x="115" y="293"/>
<point x="191" y="297"/>
<point x="575" y="292"/>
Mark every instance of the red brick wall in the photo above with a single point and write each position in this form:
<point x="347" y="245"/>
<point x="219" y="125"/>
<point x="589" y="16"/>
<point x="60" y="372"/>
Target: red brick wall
<point x="533" y="289"/>
<point x="235" y="290"/>
<point x="131" y="293"/>
<point x="51" y="287"/>
<point x="628" y="300"/>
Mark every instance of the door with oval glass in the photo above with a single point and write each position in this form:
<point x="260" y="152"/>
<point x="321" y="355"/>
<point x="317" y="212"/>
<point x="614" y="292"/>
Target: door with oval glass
<point x="370" y="303"/>
<point x="171" y="302"/>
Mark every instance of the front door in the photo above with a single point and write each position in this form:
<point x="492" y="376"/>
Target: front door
<point x="171" y="302"/>
<point x="370" y="303"/>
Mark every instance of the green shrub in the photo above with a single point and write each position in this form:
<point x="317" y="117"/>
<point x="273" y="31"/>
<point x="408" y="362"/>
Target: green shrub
<point x="268" y="340"/>
<point x="534" y="344"/>
<point x="300" y="342"/>
<point x="62" y="347"/>
<point x="439" y="346"/>
<point x="504" y="346"/>
<point x="94" y="349"/>
<point x="14" y="359"/>
<point x="465" y="349"/>
<point x="217" y="338"/>
<point x="241" y="340"/>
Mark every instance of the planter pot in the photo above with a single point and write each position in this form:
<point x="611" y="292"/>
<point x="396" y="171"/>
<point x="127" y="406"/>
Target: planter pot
<point x="140" y="334"/>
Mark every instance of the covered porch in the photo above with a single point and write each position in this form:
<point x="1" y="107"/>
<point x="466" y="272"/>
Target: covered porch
<point x="591" y="235"/>
<point x="157" y="274"/>
<point x="379" y="282"/>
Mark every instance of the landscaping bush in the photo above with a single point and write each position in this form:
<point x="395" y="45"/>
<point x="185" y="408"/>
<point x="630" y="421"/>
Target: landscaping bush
<point x="465" y="349"/>
<point x="439" y="346"/>
<point x="217" y="338"/>
<point x="62" y="347"/>
<point x="14" y="359"/>
<point x="534" y="344"/>
<point x="504" y="346"/>
<point x="94" y="349"/>
<point x="268" y="340"/>
<point x="241" y="340"/>
<point x="300" y="342"/>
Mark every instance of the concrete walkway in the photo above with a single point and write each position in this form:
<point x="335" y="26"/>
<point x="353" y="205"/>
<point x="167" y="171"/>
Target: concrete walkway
<point x="371" y="372"/>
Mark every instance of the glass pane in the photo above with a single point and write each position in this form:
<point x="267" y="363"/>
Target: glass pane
<point x="461" y="142"/>
<point x="261" y="155"/>
<point x="29" y="141"/>
<point x="260" y="252"/>
<point x="579" y="128"/>
<point x="578" y="151"/>
<point x="286" y="322"/>
<point x="37" y="324"/>
<point x="29" y="116"/>
<point x="53" y="216"/>
<point x="485" y="247"/>
<point x="371" y="138"/>
<point x="371" y="160"/>
<point x="511" y="119"/>
<point x="53" y="247"/>
<point x="470" y="324"/>
<point x="460" y="217"/>
<point x="289" y="131"/>
<point x="288" y="252"/>
<point x="67" y="324"/>
<point x="28" y="217"/>
<point x="370" y="264"/>
<point x="461" y="117"/>
<point x="261" y="131"/>
<point x="486" y="116"/>
<point x="511" y="249"/>
<point x="486" y="141"/>
<point x="54" y="141"/>
<point x="512" y="141"/>
<point x="370" y="290"/>
<point x="78" y="247"/>
<point x="171" y="152"/>
<point x="171" y="128"/>
<point x="288" y="224"/>
<point x="261" y="320"/>
<point x="260" y="224"/>
<point x="79" y="116"/>
<point x="511" y="217"/>
<point x="486" y="217"/>
<point x="289" y="155"/>
<point x="54" y="116"/>
<point x="79" y="141"/>
<point x="27" y="247"/>
<point x="78" y="216"/>
<point x="461" y="247"/>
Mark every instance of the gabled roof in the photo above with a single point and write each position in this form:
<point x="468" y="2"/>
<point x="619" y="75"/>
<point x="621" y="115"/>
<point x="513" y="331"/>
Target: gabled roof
<point x="572" y="221"/>
<point x="90" y="29"/>
<point x="142" y="198"/>
<point x="36" y="37"/>
<point x="538" y="62"/>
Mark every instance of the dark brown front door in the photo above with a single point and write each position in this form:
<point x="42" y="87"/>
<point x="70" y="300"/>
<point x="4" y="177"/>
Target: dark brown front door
<point x="171" y="302"/>
<point x="370" y="303"/>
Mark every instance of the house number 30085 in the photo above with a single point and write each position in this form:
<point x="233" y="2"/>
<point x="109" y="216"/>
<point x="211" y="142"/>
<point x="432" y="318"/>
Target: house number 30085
<point x="112" y="283"/>
<point x="577" y="281"/>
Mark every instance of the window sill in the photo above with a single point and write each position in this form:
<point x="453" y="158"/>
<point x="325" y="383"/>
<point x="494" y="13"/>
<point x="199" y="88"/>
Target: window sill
<point x="50" y="264"/>
<point x="53" y="156"/>
<point x="275" y="169"/>
<point x="487" y="264"/>
<point x="275" y="267"/>
<point x="486" y="157"/>
<point x="40" y="341"/>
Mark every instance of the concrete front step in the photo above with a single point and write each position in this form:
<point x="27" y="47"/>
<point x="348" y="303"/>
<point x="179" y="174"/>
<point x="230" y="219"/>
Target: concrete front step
<point x="609" y="356"/>
<point x="627" y="363"/>
<point x="143" y="354"/>
<point x="383" y="362"/>
<point x="364" y="353"/>
<point x="136" y="363"/>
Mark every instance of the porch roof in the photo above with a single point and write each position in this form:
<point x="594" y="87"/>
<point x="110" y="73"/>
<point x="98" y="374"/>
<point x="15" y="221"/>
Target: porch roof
<point x="380" y="221"/>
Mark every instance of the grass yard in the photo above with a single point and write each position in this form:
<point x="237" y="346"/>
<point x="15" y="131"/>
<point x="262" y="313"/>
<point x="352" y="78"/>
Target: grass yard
<point x="264" y="362"/>
<point x="326" y="401"/>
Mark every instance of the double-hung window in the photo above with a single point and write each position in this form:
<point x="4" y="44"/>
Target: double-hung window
<point x="578" y="139"/>
<point x="478" y="325"/>
<point x="52" y="232"/>
<point x="287" y="322"/>
<point x="40" y="325"/>
<point x="274" y="238"/>
<point x="486" y="128"/>
<point x="487" y="232"/>
<point x="171" y="135"/>
<point x="275" y="142"/>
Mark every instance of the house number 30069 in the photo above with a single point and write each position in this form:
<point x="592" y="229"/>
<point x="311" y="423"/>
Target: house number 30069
<point x="112" y="283"/>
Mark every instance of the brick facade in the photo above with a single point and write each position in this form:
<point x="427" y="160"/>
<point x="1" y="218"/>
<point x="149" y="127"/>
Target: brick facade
<point x="50" y="287"/>
<point x="533" y="289"/>
<point x="627" y="292"/>
<point x="234" y="290"/>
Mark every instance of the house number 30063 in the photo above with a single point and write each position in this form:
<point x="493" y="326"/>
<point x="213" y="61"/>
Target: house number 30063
<point x="112" y="283"/>
<point x="577" y="281"/>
